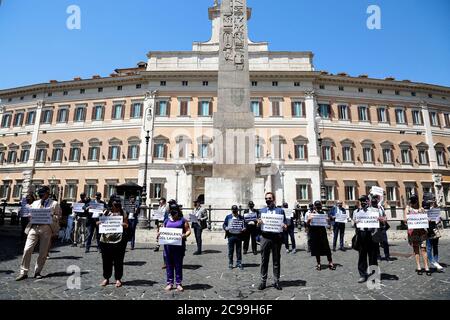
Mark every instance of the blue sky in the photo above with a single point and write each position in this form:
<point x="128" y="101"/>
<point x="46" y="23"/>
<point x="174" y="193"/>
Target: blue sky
<point x="36" y="46"/>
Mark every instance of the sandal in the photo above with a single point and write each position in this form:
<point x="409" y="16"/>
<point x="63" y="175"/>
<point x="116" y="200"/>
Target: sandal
<point x="331" y="266"/>
<point x="104" y="283"/>
<point x="419" y="272"/>
<point x="319" y="267"/>
<point x="180" y="288"/>
<point x="428" y="272"/>
<point x="169" y="287"/>
<point x="118" y="284"/>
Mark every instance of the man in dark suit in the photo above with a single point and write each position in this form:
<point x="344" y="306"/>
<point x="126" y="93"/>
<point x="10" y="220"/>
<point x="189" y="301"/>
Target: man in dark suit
<point x="251" y="217"/>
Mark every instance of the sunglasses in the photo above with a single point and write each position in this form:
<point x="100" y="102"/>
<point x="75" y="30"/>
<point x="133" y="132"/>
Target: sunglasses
<point x="269" y="199"/>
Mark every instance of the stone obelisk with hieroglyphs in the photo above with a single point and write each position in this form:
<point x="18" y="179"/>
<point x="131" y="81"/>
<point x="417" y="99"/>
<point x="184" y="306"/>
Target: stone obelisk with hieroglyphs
<point x="234" y="180"/>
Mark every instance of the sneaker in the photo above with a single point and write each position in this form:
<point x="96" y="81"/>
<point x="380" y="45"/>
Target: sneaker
<point x="240" y="266"/>
<point x="261" y="286"/>
<point x="277" y="286"/>
<point x="22" y="277"/>
<point x="362" y="280"/>
<point x="156" y="249"/>
<point x="294" y="251"/>
<point x="38" y="276"/>
<point x="437" y="266"/>
<point x="288" y="251"/>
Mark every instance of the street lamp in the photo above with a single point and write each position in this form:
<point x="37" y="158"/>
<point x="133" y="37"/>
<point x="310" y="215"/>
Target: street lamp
<point x="323" y="193"/>
<point x="283" y="172"/>
<point x="177" y="172"/>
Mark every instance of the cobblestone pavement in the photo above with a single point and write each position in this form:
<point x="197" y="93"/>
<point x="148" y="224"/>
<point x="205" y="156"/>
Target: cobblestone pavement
<point x="207" y="276"/>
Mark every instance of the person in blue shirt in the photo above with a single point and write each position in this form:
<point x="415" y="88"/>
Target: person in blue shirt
<point x="338" y="227"/>
<point x="234" y="226"/>
<point x="271" y="242"/>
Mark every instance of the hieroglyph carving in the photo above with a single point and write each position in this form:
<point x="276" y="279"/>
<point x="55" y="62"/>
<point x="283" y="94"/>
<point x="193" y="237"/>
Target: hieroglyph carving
<point x="234" y="32"/>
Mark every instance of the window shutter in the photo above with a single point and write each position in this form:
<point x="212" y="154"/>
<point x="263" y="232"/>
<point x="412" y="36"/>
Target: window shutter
<point x="109" y="153"/>
<point x="427" y="156"/>
<point x="349" y="112"/>
<point x="103" y="113"/>
<point x="71" y="154"/>
<point x="373" y="155"/>
<point x="168" y="108"/>
<point x="310" y="192"/>
<point x="333" y="156"/>
<point x="155" y="151"/>
<point x="90" y="154"/>
<point x="261" y="109"/>
<point x="340" y="112"/>
<point x="152" y="190"/>
<point x="388" y="116"/>
<point x="199" y="105"/>
<point x="369" y="117"/>
<point x="129" y="153"/>
<point x="105" y="192"/>
<point x="297" y="153"/>
<point x="132" y="110"/>
<point x="353" y="154"/>
<point x="406" y="116"/>
<point x="305" y="149"/>
<point x="165" y="151"/>
<point x="298" y="192"/>
<point x="323" y="152"/>
<point x="113" y="113"/>
<point x="210" y="108"/>
<point x="93" y="113"/>
<point x="379" y="114"/>
<point x="122" y="116"/>
<point x="293" y="109"/>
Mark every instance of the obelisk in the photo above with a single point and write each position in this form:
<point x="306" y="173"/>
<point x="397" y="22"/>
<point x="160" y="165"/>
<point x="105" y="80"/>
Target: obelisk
<point x="234" y="124"/>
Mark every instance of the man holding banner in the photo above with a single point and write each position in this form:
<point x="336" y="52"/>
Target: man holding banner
<point x="272" y="222"/>
<point x="234" y="226"/>
<point x="44" y="215"/>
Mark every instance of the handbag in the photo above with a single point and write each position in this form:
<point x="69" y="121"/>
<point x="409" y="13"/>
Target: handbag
<point x="356" y="245"/>
<point x="203" y="224"/>
<point x="434" y="233"/>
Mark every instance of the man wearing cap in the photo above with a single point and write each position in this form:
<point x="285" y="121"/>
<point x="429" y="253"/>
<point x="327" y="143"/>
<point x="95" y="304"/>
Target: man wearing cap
<point x="250" y="217"/>
<point x="234" y="226"/>
<point x="271" y="243"/>
<point x="41" y="233"/>
<point x="198" y="227"/>
<point x="92" y="225"/>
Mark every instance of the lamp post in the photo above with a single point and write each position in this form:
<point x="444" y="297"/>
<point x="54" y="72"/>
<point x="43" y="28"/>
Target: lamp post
<point x="323" y="194"/>
<point x="283" y="172"/>
<point x="177" y="172"/>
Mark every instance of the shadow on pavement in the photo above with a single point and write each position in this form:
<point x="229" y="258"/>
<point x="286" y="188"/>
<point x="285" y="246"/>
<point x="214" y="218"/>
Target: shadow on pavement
<point x="66" y="258"/>
<point x="250" y="265"/>
<point x="198" y="287"/>
<point x="140" y="283"/>
<point x="293" y="283"/>
<point x="135" y="263"/>
<point x="6" y="272"/>
<point x="385" y="276"/>
<point x="211" y="251"/>
<point x="192" y="266"/>
<point x="61" y="274"/>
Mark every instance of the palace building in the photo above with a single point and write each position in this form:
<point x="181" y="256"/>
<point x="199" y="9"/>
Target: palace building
<point x="318" y="134"/>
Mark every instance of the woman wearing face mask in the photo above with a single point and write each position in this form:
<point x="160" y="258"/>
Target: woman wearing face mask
<point x="113" y="246"/>
<point x="417" y="238"/>
<point x="319" y="239"/>
<point x="174" y="255"/>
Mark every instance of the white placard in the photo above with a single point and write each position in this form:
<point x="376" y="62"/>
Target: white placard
<point x="41" y="216"/>
<point x="193" y="218"/>
<point x="368" y="219"/>
<point x="171" y="236"/>
<point x="377" y="191"/>
<point x="341" y="217"/>
<point x="235" y="226"/>
<point x="157" y="215"/>
<point x="78" y="207"/>
<point x="418" y="221"/>
<point x="93" y="207"/>
<point x="111" y="224"/>
<point x="289" y="213"/>
<point x="250" y="216"/>
<point x="272" y="223"/>
<point x="434" y="214"/>
<point x="319" y="220"/>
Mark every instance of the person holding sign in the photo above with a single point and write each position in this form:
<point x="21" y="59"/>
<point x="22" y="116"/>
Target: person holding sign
<point x="417" y="238"/>
<point x="434" y="216"/>
<point x="234" y="226"/>
<point x="272" y="222"/>
<point x="174" y="254"/>
<point x="162" y="212"/>
<point x="132" y="211"/>
<point x="81" y="214"/>
<point x="96" y="209"/>
<point x="317" y="222"/>
<point x="24" y="214"/>
<point x="289" y="232"/>
<point x="338" y="217"/>
<point x="44" y="213"/>
<point x="250" y="217"/>
<point x="112" y="242"/>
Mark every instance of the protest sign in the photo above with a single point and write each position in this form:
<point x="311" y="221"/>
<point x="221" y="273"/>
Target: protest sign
<point x="368" y="219"/>
<point x="111" y="224"/>
<point x="41" y="216"/>
<point x="418" y="221"/>
<point x="272" y="223"/>
<point x="170" y="236"/>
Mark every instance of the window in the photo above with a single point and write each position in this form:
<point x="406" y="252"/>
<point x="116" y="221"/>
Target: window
<point x="6" y="120"/>
<point x="159" y="151"/>
<point x="75" y="154"/>
<point x="256" y="107"/>
<point x="80" y="114"/>
<point x="363" y="113"/>
<point x="184" y="83"/>
<point x="302" y="192"/>
<point x="163" y="83"/>
<point x="259" y="153"/>
<point x="136" y="111"/>
<point x="427" y="189"/>
<point x="391" y="193"/>
<point x="298" y="109"/>
<point x="4" y="190"/>
<point x="347" y="154"/>
<point x="17" y="190"/>
<point x="97" y="113"/>
<point x="118" y="112"/>
<point x="325" y="111"/>
<point x="423" y="157"/>
<point x="184" y="108"/>
<point x="65" y="93"/>
<point x="296" y="84"/>
<point x="430" y="96"/>
<point x="25" y="156"/>
<point x="274" y="83"/>
<point x="34" y="96"/>
<point x="417" y="117"/>
<point x="205" y="83"/>
<point x="119" y="88"/>
<point x="156" y="190"/>
<point x="71" y="191"/>
<point x="18" y="119"/>
<point x="360" y="90"/>
<point x="343" y="112"/>
<point x="350" y="194"/>
<point x="203" y="150"/>
<point x="440" y="155"/>
<point x="49" y="94"/>
<point x="434" y="119"/>
<point x="321" y="86"/>
<point x="93" y="154"/>
<point x="368" y="155"/>
<point x="100" y="89"/>
<point x="31" y="118"/>
<point x="90" y="190"/>
<point x="162" y="109"/>
<point x="46" y="117"/>
<point x="138" y="86"/>
<point x="254" y="83"/>
<point x="327" y="152"/>
<point x="397" y="93"/>
<point x="276" y="112"/>
<point x="41" y="155"/>
<point x="400" y="116"/>
<point x="406" y="156"/>
<point x="301" y="152"/>
<point x="12" y="157"/>
<point x="341" y="88"/>
<point x="413" y="94"/>
<point x="380" y="91"/>
<point x="57" y="154"/>
<point x="2" y="157"/>
<point x="410" y="190"/>
<point x="447" y="120"/>
<point x="110" y="189"/>
<point x="82" y="91"/>
<point x="205" y="108"/>
<point x="382" y="115"/>
<point x="63" y="115"/>
<point x="114" y="153"/>
<point x="387" y="155"/>
<point x="133" y="152"/>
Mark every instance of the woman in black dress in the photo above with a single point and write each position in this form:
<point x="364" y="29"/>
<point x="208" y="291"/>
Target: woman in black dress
<point x="319" y="239"/>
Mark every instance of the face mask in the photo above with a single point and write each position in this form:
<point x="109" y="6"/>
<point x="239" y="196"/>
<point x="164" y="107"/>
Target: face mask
<point x="269" y="202"/>
<point x="364" y="204"/>
<point x="375" y="203"/>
